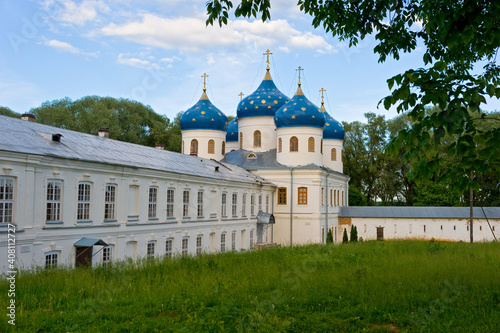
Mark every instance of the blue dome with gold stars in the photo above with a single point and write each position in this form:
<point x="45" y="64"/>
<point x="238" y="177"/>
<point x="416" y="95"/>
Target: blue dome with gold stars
<point x="333" y="128"/>
<point x="299" y="111"/>
<point x="203" y="116"/>
<point x="232" y="131"/>
<point x="263" y="102"/>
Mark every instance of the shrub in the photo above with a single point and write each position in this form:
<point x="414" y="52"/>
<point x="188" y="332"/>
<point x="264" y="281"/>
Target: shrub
<point x="345" y="240"/>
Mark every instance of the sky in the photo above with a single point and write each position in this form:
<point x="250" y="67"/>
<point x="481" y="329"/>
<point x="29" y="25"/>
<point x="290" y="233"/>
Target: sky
<point x="156" y="51"/>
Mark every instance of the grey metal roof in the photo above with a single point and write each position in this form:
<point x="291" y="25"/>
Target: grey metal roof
<point x="265" y="160"/>
<point x="22" y="136"/>
<point x="419" y="212"/>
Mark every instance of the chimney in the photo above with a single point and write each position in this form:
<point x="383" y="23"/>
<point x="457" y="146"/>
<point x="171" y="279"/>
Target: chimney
<point x="28" y="117"/>
<point x="159" y="146"/>
<point x="103" y="132"/>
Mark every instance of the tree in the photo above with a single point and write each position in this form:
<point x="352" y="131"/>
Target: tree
<point x="356" y="198"/>
<point x="5" y="111"/>
<point x="354" y="234"/>
<point x="345" y="240"/>
<point x="329" y="237"/>
<point x="126" y="120"/>
<point x="457" y="38"/>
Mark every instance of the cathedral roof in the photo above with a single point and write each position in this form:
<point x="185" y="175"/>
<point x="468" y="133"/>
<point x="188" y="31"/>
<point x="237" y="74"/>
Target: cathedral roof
<point x="333" y="128"/>
<point x="299" y="111"/>
<point x="232" y="131"/>
<point x="203" y="116"/>
<point x="265" y="101"/>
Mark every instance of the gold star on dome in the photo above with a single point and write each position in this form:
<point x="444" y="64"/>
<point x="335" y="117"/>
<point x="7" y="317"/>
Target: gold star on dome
<point x="203" y="112"/>
<point x="293" y="117"/>
<point x="303" y="108"/>
<point x="275" y="102"/>
<point x="263" y="101"/>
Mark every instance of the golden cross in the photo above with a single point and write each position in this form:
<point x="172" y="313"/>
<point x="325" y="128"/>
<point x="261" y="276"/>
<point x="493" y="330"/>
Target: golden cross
<point x="322" y="90"/>
<point x="204" y="76"/>
<point x="267" y="53"/>
<point x="299" y="69"/>
<point x="241" y="95"/>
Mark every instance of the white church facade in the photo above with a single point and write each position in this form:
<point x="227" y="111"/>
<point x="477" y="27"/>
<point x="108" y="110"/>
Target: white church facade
<point x="274" y="175"/>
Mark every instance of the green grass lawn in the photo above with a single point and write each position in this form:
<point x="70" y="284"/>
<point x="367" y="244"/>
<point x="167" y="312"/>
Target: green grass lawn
<point x="371" y="286"/>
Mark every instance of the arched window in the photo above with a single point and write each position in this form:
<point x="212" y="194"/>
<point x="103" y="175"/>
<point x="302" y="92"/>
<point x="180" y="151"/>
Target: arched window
<point x="310" y="144"/>
<point x="241" y="140"/>
<point x="280" y="145"/>
<point x="183" y="146"/>
<point x="294" y="144"/>
<point x="256" y="139"/>
<point x="211" y="146"/>
<point x="223" y="147"/>
<point x="194" y="147"/>
<point x="321" y="146"/>
<point x="334" y="154"/>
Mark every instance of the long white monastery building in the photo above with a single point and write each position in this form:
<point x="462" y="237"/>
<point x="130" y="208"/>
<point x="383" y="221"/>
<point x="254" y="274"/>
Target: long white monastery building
<point x="274" y="175"/>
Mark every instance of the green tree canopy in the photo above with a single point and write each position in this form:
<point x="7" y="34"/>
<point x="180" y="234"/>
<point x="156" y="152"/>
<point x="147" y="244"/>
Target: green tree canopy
<point x="458" y="38"/>
<point x="126" y="120"/>
<point x="5" y="111"/>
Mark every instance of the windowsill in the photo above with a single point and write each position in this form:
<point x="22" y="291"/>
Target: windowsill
<point x="200" y="217"/>
<point x="170" y="218"/>
<point x="54" y="222"/>
<point x="186" y="217"/>
<point x="153" y="219"/>
<point x="224" y="217"/>
<point x="110" y="221"/>
<point x="84" y="221"/>
<point x="213" y="216"/>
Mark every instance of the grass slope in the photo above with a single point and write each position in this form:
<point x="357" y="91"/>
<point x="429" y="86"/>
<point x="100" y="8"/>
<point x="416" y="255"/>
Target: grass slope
<point x="370" y="286"/>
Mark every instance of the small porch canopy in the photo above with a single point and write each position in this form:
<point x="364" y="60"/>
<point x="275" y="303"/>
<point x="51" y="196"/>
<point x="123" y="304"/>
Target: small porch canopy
<point x="87" y="242"/>
<point x="265" y="218"/>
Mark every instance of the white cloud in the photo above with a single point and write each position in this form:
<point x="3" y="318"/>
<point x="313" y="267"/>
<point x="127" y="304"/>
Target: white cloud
<point x="79" y="14"/>
<point x="135" y="62"/>
<point x="62" y="46"/>
<point x="191" y="34"/>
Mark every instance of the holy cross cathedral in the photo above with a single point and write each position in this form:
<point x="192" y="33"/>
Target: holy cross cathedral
<point x="292" y="143"/>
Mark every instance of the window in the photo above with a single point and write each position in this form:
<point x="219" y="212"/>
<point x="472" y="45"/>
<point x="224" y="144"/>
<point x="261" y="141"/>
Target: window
<point x="251" y="239"/>
<point x="233" y="241"/>
<point x="267" y="203"/>
<point x="260" y="202"/>
<point x="153" y="198"/>
<point x="185" y="243"/>
<point x="150" y="250"/>
<point x="185" y="203"/>
<point x="223" y="148"/>
<point x="310" y="144"/>
<point x="342" y="198"/>
<point x="241" y="140"/>
<point x="83" y="205"/>
<point x="302" y="196"/>
<point x="294" y="144"/>
<point x="200" y="203"/>
<point x="211" y="146"/>
<point x="335" y="197"/>
<point x="244" y="205"/>
<point x="321" y="146"/>
<point x="331" y="198"/>
<point x="106" y="255"/>
<point x="256" y="139"/>
<point x="6" y="199"/>
<point x="51" y="259"/>
<point x="170" y="202"/>
<point x="334" y="154"/>
<point x="199" y="239"/>
<point x="252" y="204"/>
<point x="280" y="145"/>
<point x="223" y="208"/>
<point x="169" y="246"/>
<point x="54" y="188"/>
<point x="109" y="202"/>
<point x="395" y="228"/>
<point x="322" y="196"/>
<point x="223" y="242"/>
<point x="281" y="195"/>
<point x="234" y="206"/>
<point x="194" y="147"/>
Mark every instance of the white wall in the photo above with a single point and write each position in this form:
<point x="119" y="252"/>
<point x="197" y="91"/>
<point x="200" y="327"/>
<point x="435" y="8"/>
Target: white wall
<point x="265" y="125"/>
<point x="203" y="136"/>
<point x="303" y="156"/>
